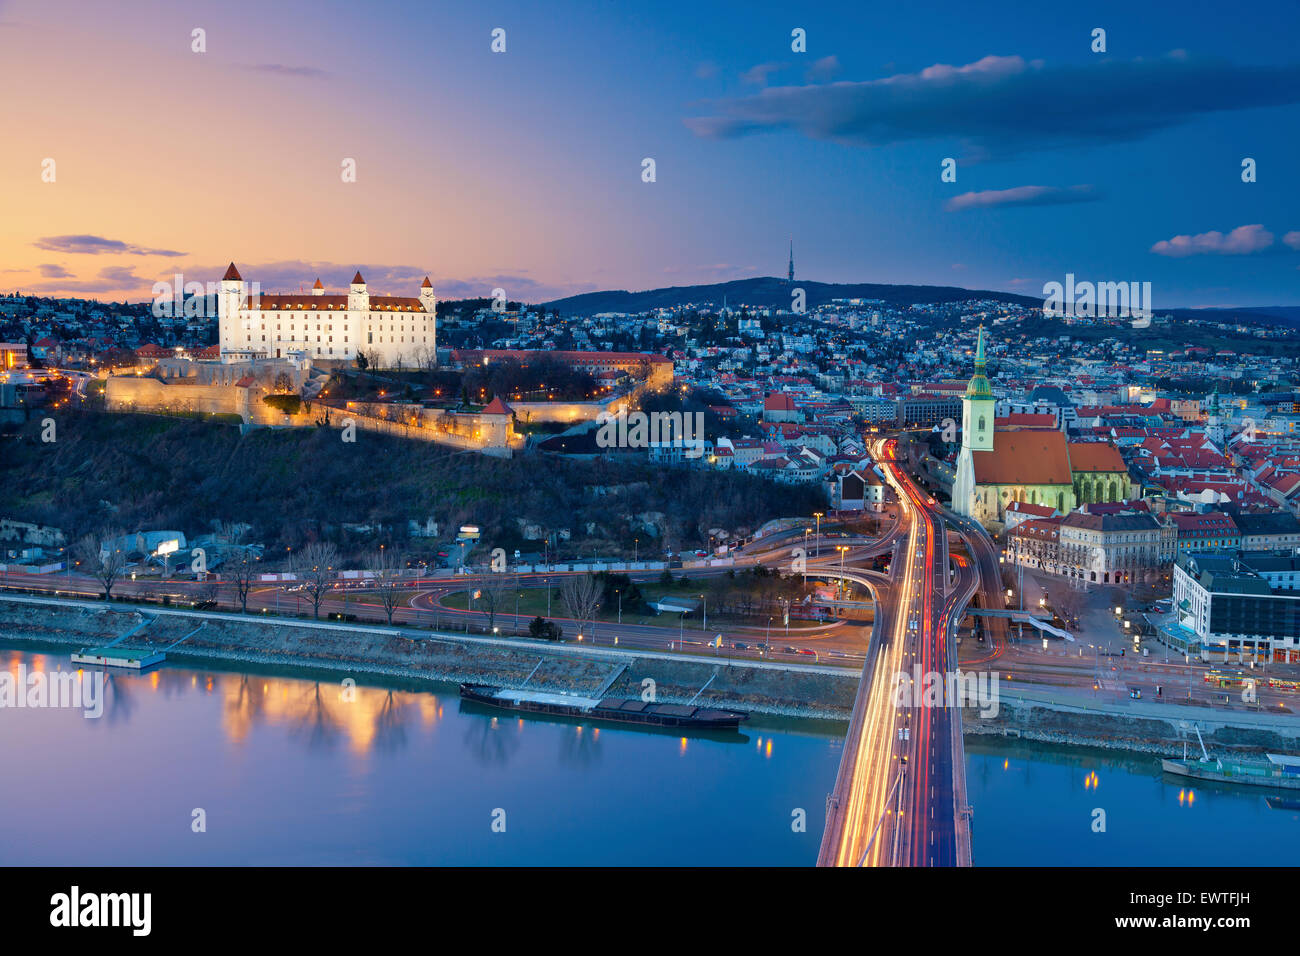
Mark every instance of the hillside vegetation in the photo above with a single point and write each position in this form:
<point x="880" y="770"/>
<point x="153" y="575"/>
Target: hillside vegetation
<point x="298" y="485"/>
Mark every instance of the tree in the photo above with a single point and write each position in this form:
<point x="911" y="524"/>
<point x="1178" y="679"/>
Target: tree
<point x="581" y="595"/>
<point x="388" y="571"/>
<point x="493" y="595"/>
<point x="241" y="570"/>
<point x="314" y="564"/>
<point x="543" y="629"/>
<point x="104" y="558"/>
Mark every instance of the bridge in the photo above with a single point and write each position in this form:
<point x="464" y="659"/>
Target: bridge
<point x="900" y="793"/>
<point x="1040" y="620"/>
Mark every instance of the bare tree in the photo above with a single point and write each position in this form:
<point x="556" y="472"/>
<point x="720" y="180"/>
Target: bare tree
<point x="241" y="570"/>
<point x="493" y="595"/>
<point x="387" y="579"/>
<point x="314" y="564"/>
<point x="103" y="557"/>
<point x="581" y="593"/>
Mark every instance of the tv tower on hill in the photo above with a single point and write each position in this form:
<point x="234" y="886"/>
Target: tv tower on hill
<point x="790" y="274"/>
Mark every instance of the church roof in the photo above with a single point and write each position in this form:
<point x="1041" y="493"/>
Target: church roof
<point x="1095" y="456"/>
<point x="1024" y="458"/>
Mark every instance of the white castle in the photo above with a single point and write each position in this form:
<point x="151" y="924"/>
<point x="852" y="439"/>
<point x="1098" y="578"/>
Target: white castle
<point x="390" y="331"/>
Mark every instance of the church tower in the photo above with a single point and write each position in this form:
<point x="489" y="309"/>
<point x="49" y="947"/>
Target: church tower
<point x="976" y="433"/>
<point x="1214" y="430"/>
<point x="977" y="406"/>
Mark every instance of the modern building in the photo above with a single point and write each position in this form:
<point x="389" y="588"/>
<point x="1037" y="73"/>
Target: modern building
<point x="13" y="355"/>
<point x="1242" y="606"/>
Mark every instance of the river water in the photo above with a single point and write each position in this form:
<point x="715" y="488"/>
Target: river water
<point x="203" y="767"/>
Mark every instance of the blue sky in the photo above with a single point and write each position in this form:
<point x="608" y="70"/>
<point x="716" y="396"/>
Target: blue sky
<point x="523" y="168"/>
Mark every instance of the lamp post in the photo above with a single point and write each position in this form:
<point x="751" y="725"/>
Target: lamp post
<point x="818" y="545"/>
<point x="620" y="606"/>
<point x="705" y="625"/>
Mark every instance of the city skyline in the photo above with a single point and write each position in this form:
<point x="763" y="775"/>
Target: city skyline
<point x="524" y="169"/>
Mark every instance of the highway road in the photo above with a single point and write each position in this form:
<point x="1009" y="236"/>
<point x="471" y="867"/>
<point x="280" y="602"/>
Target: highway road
<point x="899" y="797"/>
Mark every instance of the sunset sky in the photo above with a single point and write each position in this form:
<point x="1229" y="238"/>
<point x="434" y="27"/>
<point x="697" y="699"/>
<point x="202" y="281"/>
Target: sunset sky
<point x="523" y="169"/>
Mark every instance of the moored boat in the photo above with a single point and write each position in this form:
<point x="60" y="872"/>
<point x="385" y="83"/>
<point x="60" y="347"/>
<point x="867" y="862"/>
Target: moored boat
<point x="1278" y="770"/>
<point x="619" y="710"/>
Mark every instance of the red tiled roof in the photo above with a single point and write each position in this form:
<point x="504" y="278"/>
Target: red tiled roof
<point x="1095" y="456"/>
<point x="232" y="273"/>
<point x="275" y="301"/>
<point x="1024" y="458"/>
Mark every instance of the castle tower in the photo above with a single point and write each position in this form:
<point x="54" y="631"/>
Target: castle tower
<point x="228" y="303"/>
<point x="430" y="303"/>
<point x="358" y="297"/>
<point x="318" y="289"/>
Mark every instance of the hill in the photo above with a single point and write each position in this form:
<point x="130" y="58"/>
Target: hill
<point x="295" y="485"/>
<point x="770" y="292"/>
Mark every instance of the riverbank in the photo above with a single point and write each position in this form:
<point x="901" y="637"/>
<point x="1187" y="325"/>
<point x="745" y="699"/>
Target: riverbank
<point x="1069" y="718"/>
<point x="428" y="656"/>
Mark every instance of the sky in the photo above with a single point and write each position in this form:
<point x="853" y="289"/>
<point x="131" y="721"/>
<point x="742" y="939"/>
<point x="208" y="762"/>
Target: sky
<point x="130" y="156"/>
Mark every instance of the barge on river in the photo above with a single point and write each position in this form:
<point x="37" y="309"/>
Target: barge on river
<point x="1278" y="770"/>
<point x="684" y="716"/>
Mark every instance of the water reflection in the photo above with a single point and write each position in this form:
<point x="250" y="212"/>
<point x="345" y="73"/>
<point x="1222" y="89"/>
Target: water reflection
<point x="322" y="713"/>
<point x="581" y="747"/>
<point x="491" y="740"/>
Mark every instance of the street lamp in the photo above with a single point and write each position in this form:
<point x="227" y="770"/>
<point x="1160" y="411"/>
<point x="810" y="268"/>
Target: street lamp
<point x="818" y="545"/>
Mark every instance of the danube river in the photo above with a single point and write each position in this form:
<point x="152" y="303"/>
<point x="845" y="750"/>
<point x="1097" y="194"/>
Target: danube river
<point x="286" y="770"/>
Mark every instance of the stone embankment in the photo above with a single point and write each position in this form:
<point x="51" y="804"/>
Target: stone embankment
<point x="411" y="654"/>
<point x="1074" y="719"/>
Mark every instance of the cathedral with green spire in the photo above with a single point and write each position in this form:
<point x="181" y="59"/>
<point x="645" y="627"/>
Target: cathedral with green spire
<point x="997" y="467"/>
